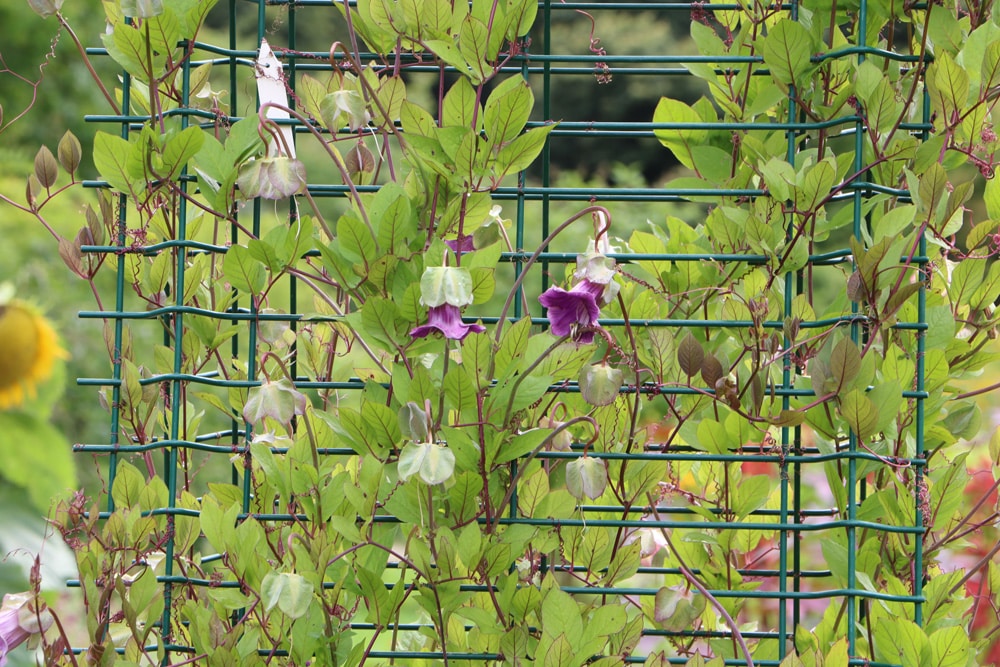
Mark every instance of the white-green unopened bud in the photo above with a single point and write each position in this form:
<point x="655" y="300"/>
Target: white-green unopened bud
<point x="446" y="285"/>
<point x="600" y="384"/>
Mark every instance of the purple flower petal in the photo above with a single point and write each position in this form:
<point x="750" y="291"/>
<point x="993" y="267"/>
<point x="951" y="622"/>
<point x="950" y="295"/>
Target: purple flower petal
<point x="577" y="307"/>
<point x="446" y="319"/>
<point x="461" y="244"/>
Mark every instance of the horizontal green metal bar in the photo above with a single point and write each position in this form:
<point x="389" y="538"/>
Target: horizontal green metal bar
<point x="721" y="525"/>
<point x="679" y="323"/>
<point x="588" y="6"/>
<point x="759" y="595"/>
<point x="280" y="517"/>
<point x="736" y="457"/>
<point x="595" y="128"/>
<point x="599" y="590"/>
<point x="831" y="258"/>
<point x="668" y="456"/>
<point x="675" y="571"/>
<point x="248" y="57"/>
<point x="593" y="194"/>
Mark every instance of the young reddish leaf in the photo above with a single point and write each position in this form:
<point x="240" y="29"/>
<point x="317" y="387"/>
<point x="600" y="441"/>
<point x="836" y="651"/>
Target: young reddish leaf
<point x="690" y="355"/>
<point x="711" y="370"/>
<point x="69" y="152"/>
<point x="845" y="361"/>
<point x="46" y="167"/>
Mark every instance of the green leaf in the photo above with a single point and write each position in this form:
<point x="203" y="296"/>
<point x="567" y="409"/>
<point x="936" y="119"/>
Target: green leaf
<point x="887" y="397"/>
<point x="463" y="497"/>
<point x="948" y="85"/>
<point x="127" y="47"/>
<point x="164" y="28"/>
<point x="512" y="346"/>
<point x="991" y="196"/>
<point x="779" y="176"/>
<point x="128" y="485"/>
<point x="788" y="47"/>
<point x="460" y="106"/>
<point x="243" y="271"/>
<point x="447" y="51"/>
<point x="681" y="140"/>
<point x="522" y="151"/>
<point x="903" y="642"/>
<point x="950" y="647"/>
<point x="859" y="413"/>
<point x="473" y="44"/>
<point x="391" y="93"/>
<point x="354" y="240"/>
<point x="713" y="438"/>
<point x="507" y="110"/>
<point x="845" y="361"/>
<point x="521" y="444"/>
<point x="990" y="71"/>
<point x="111" y="159"/>
<point x="382" y="422"/>
<point x="751" y="494"/>
<point x="459" y="390"/>
<point x="180" y="148"/>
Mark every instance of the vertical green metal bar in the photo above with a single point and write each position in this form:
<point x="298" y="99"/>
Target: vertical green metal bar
<point x="119" y="323"/>
<point x="918" y="550"/>
<point x="546" y="114"/>
<point x="293" y="211"/>
<point x="234" y="346"/>
<point x="252" y="323"/>
<point x="177" y="386"/>
<point x="852" y="468"/>
<point x="521" y="181"/>
<point x="786" y="383"/>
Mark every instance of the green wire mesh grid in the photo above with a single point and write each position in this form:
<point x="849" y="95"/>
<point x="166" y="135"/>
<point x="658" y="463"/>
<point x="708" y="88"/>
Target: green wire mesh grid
<point x="795" y="577"/>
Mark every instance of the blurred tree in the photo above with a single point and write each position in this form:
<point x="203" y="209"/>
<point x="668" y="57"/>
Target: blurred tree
<point x="631" y="98"/>
<point x="39" y="68"/>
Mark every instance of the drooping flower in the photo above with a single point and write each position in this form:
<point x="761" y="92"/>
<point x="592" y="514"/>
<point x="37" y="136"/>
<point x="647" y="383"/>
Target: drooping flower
<point x="28" y="350"/>
<point x="572" y="309"/>
<point x="445" y="290"/>
<point x="575" y="312"/>
<point x="650" y="539"/>
<point x="278" y="400"/>
<point x="20" y="620"/>
<point x="446" y="319"/>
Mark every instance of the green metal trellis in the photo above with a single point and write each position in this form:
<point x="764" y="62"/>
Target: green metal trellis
<point x="800" y="574"/>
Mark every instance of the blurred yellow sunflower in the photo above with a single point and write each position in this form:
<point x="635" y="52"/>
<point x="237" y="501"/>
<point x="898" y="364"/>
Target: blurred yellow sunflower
<point x="28" y="349"/>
